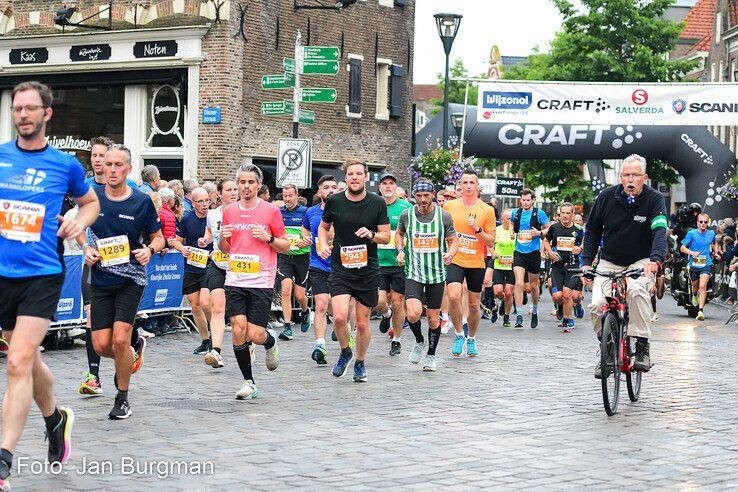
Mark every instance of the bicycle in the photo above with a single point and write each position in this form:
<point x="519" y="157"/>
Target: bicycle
<point x="617" y="349"/>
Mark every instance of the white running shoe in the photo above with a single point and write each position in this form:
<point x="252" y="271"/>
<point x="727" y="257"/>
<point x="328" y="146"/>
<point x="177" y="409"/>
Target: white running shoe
<point x="272" y="354"/>
<point x="445" y="326"/>
<point x="429" y="363"/>
<point x="416" y="353"/>
<point x="248" y="391"/>
<point x="145" y="334"/>
<point x="214" y="359"/>
<point x="654" y="318"/>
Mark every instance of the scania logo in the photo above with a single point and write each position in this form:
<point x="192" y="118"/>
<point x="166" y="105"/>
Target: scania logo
<point x="679" y="105"/>
<point x="507" y="100"/>
<point x="6" y="205"/>
<point x="639" y="97"/>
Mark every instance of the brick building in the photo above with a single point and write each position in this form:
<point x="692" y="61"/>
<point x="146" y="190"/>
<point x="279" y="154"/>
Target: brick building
<point x="165" y="64"/>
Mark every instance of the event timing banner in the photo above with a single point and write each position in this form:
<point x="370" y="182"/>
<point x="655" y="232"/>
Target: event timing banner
<point x="698" y="104"/>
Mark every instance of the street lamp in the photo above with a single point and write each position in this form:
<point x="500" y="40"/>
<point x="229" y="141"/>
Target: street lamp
<point x="457" y="121"/>
<point x="448" y="26"/>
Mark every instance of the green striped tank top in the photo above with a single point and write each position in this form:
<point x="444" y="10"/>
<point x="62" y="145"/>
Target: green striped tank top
<point x="425" y="245"/>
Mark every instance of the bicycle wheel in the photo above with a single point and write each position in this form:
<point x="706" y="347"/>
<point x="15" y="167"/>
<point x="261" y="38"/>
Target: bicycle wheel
<point x="610" y="363"/>
<point x="633" y="378"/>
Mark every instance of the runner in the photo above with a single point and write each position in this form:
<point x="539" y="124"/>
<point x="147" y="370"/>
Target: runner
<point x="99" y="147"/>
<point x="431" y="246"/>
<point x="117" y="257"/>
<point x="216" y="271"/>
<point x="391" y="275"/>
<point x="34" y="178"/>
<point x="360" y="222"/>
<point x="474" y="222"/>
<point x="441" y="198"/>
<point x="292" y="268"/>
<point x="320" y="269"/>
<point x="528" y="222"/>
<point x="252" y="234"/>
<point x="189" y="232"/>
<point x="503" y="279"/>
<point x="699" y="244"/>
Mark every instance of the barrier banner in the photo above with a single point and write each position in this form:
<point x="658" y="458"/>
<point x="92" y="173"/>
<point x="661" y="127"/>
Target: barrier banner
<point x="164" y="288"/>
<point x="570" y="103"/>
<point x="69" y="309"/>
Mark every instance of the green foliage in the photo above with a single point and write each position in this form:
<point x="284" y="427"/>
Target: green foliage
<point x="562" y="180"/>
<point x="661" y="172"/>
<point x="456" y="88"/>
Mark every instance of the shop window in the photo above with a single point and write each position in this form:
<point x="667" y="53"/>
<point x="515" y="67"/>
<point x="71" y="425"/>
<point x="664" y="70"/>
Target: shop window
<point x="165" y="118"/>
<point x="168" y="168"/>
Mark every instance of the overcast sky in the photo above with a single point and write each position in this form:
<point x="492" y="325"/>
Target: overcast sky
<point x="516" y="26"/>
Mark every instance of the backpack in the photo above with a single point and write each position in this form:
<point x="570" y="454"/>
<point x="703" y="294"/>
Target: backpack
<point x="534" y="224"/>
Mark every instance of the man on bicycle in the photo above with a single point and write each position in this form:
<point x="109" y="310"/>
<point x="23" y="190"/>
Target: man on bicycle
<point x="630" y="218"/>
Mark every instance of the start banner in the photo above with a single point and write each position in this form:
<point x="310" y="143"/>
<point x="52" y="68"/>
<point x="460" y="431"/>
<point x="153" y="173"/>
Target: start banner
<point x="698" y="104"/>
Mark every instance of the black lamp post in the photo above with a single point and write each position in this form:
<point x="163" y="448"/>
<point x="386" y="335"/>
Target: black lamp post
<point x="448" y="26"/>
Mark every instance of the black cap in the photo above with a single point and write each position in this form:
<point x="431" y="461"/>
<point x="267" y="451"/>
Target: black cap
<point x="387" y="175"/>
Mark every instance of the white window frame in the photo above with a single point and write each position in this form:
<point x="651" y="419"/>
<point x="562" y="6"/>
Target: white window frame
<point x="382" y="111"/>
<point x="387" y="3"/>
<point x="718" y="27"/>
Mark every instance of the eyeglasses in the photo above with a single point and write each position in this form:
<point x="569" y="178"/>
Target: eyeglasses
<point x="203" y="202"/>
<point x="631" y="175"/>
<point x="30" y="108"/>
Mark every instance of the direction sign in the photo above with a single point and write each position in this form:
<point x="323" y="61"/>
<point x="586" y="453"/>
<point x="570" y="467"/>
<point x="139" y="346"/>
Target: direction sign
<point x="307" y="117"/>
<point x="320" y="53"/>
<point x="294" y="162"/>
<point x="277" y="108"/>
<point x="283" y="81"/>
<point x="509" y="186"/>
<point x="288" y="64"/>
<point x="320" y="67"/>
<point x="318" y="95"/>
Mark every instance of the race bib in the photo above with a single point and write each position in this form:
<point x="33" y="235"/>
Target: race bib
<point x="220" y="259"/>
<point x="425" y="242"/>
<point x="198" y="258"/>
<point x="354" y="256"/>
<point x="389" y="245"/>
<point x="244" y="266"/>
<point x="294" y="239"/>
<point x="114" y="250"/>
<point x="525" y="237"/>
<point x="564" y="243"/>
<point x="699" y="261"/>
<point x="21" y="221"/>
<point x="467" y="244"/>
<point x="505" y="260"/>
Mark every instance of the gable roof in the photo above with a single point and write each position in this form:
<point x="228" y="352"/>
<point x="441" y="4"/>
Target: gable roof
<point x="426" y="92"/>
<point x="700" y="21"/>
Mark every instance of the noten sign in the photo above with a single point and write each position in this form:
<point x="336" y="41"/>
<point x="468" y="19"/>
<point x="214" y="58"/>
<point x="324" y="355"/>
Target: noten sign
<point x="25" y="56"/>
<point x="154" y="49"/>
<point x="90" y="52"/>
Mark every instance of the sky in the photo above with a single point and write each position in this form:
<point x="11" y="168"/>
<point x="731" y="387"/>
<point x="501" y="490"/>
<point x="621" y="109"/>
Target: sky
<point x="516" y="26"/>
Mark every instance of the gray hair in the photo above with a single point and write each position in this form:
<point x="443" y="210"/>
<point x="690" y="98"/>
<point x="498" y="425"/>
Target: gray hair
<point x="636" y="158"/>
<point x="149" y="173"/>
<point x="173" y="183"/>
<point x="290" y="186"/>
<point x="122" y="148"/>
<point x="567" y="204"/>
<point x="189" y="185"/>
<point x="210" y="187"/>
<point x="166" y="194"/>
<point x="250" y="168"/>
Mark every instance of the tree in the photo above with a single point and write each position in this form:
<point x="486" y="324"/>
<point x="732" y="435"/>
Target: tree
<point x="562" y="179"/>
<point x="456" y="88"/>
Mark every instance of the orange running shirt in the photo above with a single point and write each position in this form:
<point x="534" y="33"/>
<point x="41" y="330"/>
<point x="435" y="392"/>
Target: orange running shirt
<point x="471" y="247"/>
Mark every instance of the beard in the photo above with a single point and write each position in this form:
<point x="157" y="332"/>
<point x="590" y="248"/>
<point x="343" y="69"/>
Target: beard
<point x="30" y="134"/>
<point x="357" y="192"/>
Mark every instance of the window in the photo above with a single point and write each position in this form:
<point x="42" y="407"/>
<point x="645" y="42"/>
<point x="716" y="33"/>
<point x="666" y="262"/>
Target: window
<point x="731" y="75"/>
<point x="397" y="74"/>
<point x="718" y="27"/>
<point x="383" y="74"/>
<point x="353" y="109"/>
<point x="721" y="73"/>
<point x="712" y="72"/>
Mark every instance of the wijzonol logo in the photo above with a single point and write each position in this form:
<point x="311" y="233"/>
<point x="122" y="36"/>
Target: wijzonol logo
<point x="507" y="100"/>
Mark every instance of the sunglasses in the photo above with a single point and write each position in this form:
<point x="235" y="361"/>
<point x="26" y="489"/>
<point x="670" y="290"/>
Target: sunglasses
<point x="702" y="222"/>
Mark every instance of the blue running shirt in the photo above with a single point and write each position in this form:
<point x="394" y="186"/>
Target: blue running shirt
<point x="697" y="241"/>
<point x="523" y="243"/>
<point x="311" y="222"/>
<point x="32" y="188"/>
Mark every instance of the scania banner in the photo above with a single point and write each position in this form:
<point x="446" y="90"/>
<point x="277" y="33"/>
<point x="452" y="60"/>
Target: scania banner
<point x="609" y="104"/>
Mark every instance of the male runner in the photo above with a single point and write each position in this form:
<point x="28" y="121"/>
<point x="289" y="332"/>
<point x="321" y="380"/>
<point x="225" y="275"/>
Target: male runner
<point x="320" y="269"/>
<point x="391" y="275"/>
<point x="189" y="230"/>
<point x="34" y="178"/>
<point x="528" y="222"/>
<point x="117" y="257"/>
<point x="503" y="279"/>
<point x="360" y="222"/>
<point x="99" y="147"/>
<point x="699" y="244"/>
<point x="474" y="222"/>
<point x="252" y="234"/>
<point x="430" y="246"/>
<point x="292" y="268"/>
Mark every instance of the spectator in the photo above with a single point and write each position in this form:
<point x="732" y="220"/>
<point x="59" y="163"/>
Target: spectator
<point x="166" y="214"/>
<point x="178" y="208"/>
<point x="177" y="188"/>
<point x="264" y="193"/>
<point x="149" y="178"/>
<point x="156" y="199"/>
<point x="189" y="184"/>
<point x="302" y="201"/>
<point x="162" y="184"/>
<point x="401" y="193"/>
<point x="730" y="228"/>
<point x="212" y="190"/>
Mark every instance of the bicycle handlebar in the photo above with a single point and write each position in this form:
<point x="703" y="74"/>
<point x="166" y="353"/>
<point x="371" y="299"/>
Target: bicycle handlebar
<point x="632" y="273"/>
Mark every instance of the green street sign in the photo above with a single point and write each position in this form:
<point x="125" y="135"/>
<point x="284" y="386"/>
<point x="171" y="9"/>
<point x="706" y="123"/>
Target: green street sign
<point x="320" y="53"/>
<point x="278" y="108"/>
<point x="307" y="117"/>
<point x="283" y="81"/>
<point x="288" y="65"/>
<point x="318" y="95"/>
<point x="320" y="67"/>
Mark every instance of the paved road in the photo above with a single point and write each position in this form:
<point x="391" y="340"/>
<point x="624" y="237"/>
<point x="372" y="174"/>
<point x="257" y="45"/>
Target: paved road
<point x="527" y="413"/>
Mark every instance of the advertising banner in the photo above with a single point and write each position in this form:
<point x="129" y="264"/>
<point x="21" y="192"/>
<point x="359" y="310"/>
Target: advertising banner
<point x="509" y="186"/>
<point x="573" y="103"/>
<point x="69" y="308"/>
<point x="164" y="288"/>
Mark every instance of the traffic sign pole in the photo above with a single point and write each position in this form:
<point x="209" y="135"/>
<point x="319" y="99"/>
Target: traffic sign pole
<point x="296" y="91"/>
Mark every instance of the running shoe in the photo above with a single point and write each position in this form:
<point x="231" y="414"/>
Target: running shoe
<point x="384" y="324"/>
<point x="286" y="334"/>
<point x="429" y="363"/>
<point x="654" y="318"/>
<point x="695" y="301"/>
<point x="506" y="320"/>
<point x="519" y="321"/>
<point x="306" y="321"/>
<point x="445" y="326"/>
<point x="121" y="409"/>
<point x="4" y="476"/>
<point x="598" y="370"/>
<point x="395" y="348"/>
<point x="486" y="313"/>
<point x="471" y="347"/>
<point x="60" y="437"/>
<point x="339" y="369"/>
<point x="320" y="355"/>
<point x="579" y="310"/>
<point x="559" y="311"/>
<point x="91" y="385"/>
<point x="458" y="345"/>
<point x="248" y="391"/>
<point x="416" y="353"/>
<point x="138" y="356"/>
<point x="146" y="334"/>
<point x="534" y="320"/>
<point x="494" y="316"/>
<point x="272" y="355"/>
<point x="359" y="373"/>
<point x="203" y="348"/>
<point x="214" y="359"/>
<point x="3" y="346"/>
<point x="700" y="316"/>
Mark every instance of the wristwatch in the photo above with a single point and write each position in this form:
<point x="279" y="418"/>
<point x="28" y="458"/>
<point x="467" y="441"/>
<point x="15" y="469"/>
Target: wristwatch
<point x="153" y="252"/>
<point x="478" y="231"/>
<point x="373" y="234"/>
<point x="271" y="239"/>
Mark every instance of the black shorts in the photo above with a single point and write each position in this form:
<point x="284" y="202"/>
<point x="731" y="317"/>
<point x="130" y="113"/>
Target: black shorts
<point x="254" y="303"/>
<point x="503" y="277"/>
<point x="474" y="277"/>
<point x="214" y="277"/>
<point x="392" y="278"/>
<point x="111" y="303"/>
<point x="86" y="289"/>
<point x="319" y="281"/>
<point x="575" y="283"/>
<point x="294" y="267"/>
<point x="560" y="278"/>
<point x="530" y="261"/>
<point x="193" y="282"/>
<point x="431" y="293"/>
<point x="365" y="291"/>
<point x="32" y="296"/>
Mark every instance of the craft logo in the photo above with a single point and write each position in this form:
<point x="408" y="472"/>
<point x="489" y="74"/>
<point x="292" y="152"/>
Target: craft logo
<point x="706" y="158"/>
<point x="617" y="137"/>
<point x="679" y="105"/>
<point x="639" y="97"/>
<point x="573" y="105"/>
<point x="507" y="100"/>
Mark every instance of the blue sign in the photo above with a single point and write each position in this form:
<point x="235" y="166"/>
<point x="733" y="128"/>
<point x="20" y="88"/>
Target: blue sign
<point x="507" y="100"/>
<point x="211" y="116"/>
<point x="69" y="308"/>
<point x="164" y="288"/>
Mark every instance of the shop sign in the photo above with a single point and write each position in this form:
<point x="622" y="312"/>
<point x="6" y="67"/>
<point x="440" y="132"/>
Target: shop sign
<point x="26" y="56"/>
<point x="211" y="116"/>
<point x="166" y="110"/>
<point x="90" y="52"/>
<point x="154" y="49"/>
<point x="68" y="142"/>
